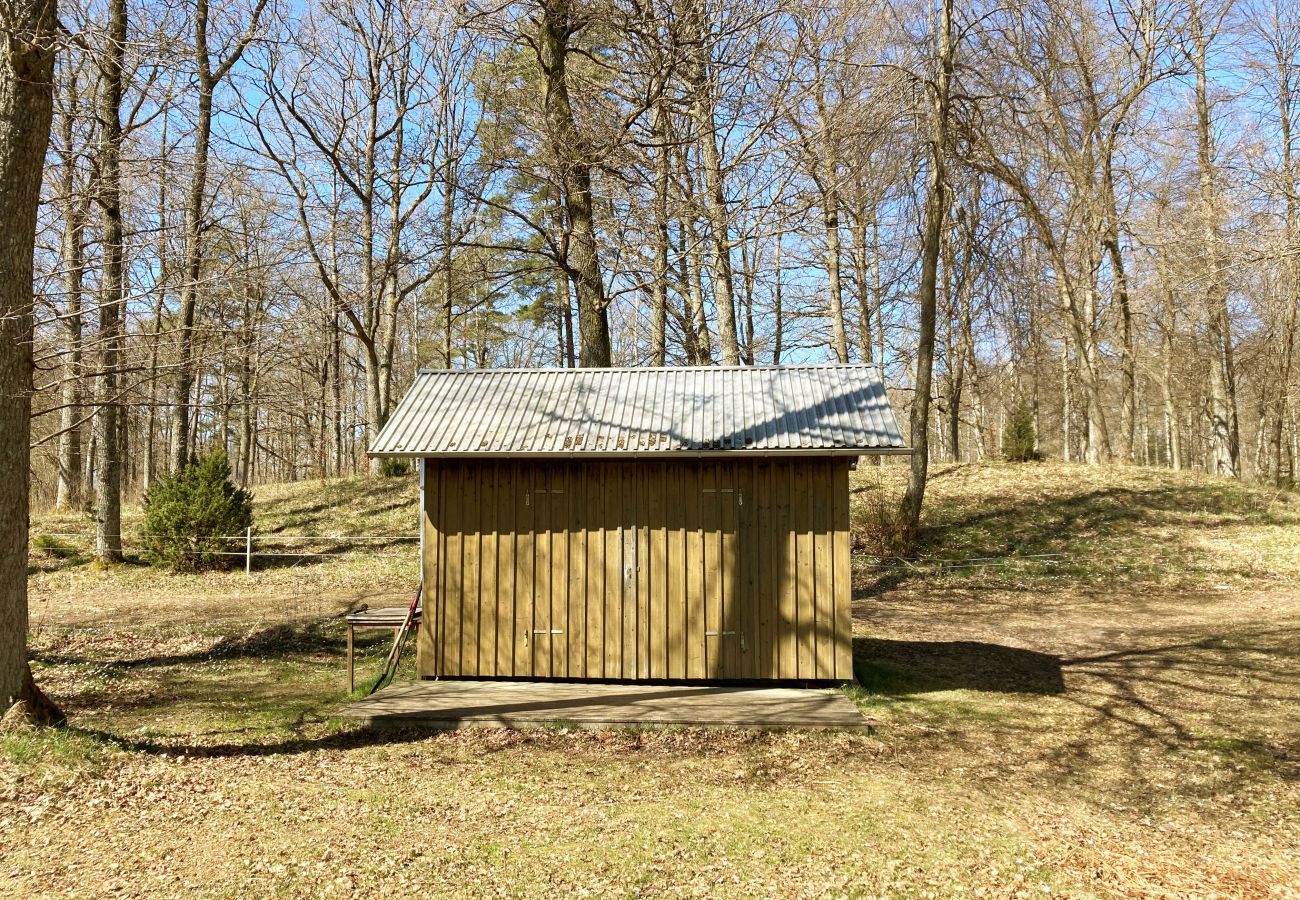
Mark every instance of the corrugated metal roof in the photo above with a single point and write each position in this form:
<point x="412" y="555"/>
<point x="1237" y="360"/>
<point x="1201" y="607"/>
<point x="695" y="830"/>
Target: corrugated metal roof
<point x="704" y="410"/>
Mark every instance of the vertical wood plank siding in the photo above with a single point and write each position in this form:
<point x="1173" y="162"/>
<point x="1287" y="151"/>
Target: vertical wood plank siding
<point x="637" y="570"/>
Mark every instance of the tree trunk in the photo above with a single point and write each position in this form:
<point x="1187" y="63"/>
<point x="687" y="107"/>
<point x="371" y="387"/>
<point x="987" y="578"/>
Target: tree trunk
<point x="831" y="222"/>
<point x="971" y="360"/>
<point x="365" y="329"/>
<point x="336" y="386"/>
<point x="956" y="384"/>
<point x="448" y="276"/>
<point x="778" y="311"/>
<point x="208" y="79"/>
<point x="693" y="263"/>
<point x="567" y="355"/>
<point x="388" y="345"/>
<point x="26" y="112"/>
<point x="244" y="470"/>
<point x="1067" y="400"/>
<point x="659" y="272"/>
<point x="374" y="406"/>
<point x="935" y="213"/>
<point x="194" y="420"/>
<point x="1081" y="322"/>
<point x="193" y="262"/>
<point x="830" y="197"/>
<point x="1291" y="284"/>
<point x="1224" y="440"/>
<point x="1128" y="360"/>
<point x="568" y="352"/>
<point x="125" y="427"/>
<point x="695" y="71"/>
<point x="593" y="316"/>
<point x="748" y="262"/>
<point x="1174" y="438"/>
<point x="149" y="463"/>
<point x="108" y="465"/>
<point x="68" y="491"/>
<point x="1128" y="356"/>
<point x="571" y="156"/>
<point x="865" y="275"/>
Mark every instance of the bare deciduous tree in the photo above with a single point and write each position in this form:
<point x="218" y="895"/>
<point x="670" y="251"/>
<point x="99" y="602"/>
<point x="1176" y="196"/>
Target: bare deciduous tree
<point x="26" y="112"/>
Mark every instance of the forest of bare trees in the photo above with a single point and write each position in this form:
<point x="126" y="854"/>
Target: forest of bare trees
<point x="259" y="218"/>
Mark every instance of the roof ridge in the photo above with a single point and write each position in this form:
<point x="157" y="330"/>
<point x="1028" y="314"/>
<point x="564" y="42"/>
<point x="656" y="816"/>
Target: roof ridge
<point x="558" y="370"/>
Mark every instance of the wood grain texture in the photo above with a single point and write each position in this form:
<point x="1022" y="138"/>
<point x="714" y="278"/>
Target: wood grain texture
<point x="843" y="574"/>
<point x="525" y="562"/>
<point x="516" y="704"/>
<point x="637" y="570"/>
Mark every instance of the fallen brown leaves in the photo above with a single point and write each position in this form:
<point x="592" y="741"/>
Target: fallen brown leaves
<point x="1079" y="736"/>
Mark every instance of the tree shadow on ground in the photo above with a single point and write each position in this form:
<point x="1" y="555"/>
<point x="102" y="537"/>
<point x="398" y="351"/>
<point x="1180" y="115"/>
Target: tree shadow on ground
<point x="322" y="636"/>
<point x="1175" y="690"/>
<point x="311" y="515"/>
<point x="1176" y="694"/>
<point x="298" y="742"/>
<point x="1189" y="694"/>
<point x="66" y="557"/>
<point x="1070" y="525"/>
<point x="50" y="554"/>
<point x="292" y="556"/>
<point x="908" y="667"/>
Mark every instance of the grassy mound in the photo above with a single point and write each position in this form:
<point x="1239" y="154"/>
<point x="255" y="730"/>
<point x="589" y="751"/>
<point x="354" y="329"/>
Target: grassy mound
<point x="1036" y="523"/>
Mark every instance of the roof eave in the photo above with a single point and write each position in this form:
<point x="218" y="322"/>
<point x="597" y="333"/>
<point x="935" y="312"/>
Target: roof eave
<point x="639" y="454"/>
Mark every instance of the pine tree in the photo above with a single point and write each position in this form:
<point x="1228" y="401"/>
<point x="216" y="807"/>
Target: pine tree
<point x="190" y="516"/>
<point x="1019" y="441"/>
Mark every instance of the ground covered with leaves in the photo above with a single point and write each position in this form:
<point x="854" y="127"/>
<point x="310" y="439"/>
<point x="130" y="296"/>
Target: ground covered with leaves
<point x="1085" y="683"/>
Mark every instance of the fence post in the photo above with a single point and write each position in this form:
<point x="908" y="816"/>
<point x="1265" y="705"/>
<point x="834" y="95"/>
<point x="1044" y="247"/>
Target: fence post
<point x="248" y="552"/>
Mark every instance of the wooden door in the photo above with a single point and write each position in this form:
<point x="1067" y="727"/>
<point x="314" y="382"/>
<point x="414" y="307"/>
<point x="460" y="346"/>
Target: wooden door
<point x="548" y="498"/>
<point x="721" y="498"/>
<point x="637" y="570"/>
<point x="625" y="621"/>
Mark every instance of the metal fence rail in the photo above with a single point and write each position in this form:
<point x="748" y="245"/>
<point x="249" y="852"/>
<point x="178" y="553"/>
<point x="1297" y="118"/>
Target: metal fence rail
<point x="251" y="538"/>
<point x="249" y="541"/>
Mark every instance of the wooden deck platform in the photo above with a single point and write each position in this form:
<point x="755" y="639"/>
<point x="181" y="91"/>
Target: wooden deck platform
<point x="521" y="704"/>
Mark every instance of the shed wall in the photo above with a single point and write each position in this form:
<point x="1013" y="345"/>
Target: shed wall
<point x="637" y="570"/>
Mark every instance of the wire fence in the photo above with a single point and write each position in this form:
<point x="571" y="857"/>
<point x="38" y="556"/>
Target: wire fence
<point x="251" y="545"/>
<point x="1008" y="564"/>
<point x="968" y="562"/>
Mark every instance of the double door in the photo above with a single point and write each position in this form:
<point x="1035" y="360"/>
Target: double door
<point x="633" y="571"/>
<point x="596" y="570"/>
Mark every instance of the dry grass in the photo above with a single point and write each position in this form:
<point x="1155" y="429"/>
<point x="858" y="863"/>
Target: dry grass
<point x="1044" y="524"/>
<point x="66" y="589"/>
<point x="1122" y="727"/>
<point x="1169" y="725"/>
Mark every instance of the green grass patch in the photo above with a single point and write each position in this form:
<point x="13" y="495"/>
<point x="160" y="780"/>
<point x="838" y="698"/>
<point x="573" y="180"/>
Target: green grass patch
<point x="50" y="751"/>
<point x="52" y="546"/>
<point x="1254" y="754"/>
<point x="901" y="696"/>
<point x="876" y="679"/>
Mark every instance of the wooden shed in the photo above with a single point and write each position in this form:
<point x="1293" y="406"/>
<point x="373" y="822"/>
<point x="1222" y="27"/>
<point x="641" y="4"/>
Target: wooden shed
<point x="638" y="524"/>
